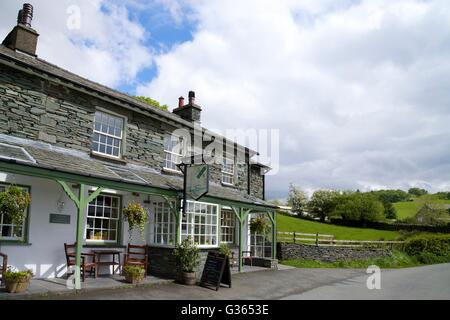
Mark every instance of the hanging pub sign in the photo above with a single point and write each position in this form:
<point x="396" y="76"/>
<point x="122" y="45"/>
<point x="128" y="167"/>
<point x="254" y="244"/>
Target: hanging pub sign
<point x="197" y="181"/>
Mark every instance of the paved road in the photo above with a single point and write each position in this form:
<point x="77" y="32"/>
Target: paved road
<point x="432" y="282"/>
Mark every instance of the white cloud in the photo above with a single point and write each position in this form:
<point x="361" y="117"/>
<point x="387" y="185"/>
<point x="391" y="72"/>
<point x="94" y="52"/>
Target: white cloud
<point x="359" y="89"/>
<point x="108" y="48"/>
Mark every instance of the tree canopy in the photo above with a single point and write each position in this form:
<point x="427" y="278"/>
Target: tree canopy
<point x="152" y="102"/>
<point x="297" y="199"/>
<point x="363" y="207"/>
<point x="417" y="192"/>
<point x="323" y="203"/>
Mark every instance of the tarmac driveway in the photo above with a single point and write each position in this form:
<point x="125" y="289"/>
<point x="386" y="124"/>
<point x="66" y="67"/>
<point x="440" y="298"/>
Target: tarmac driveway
<point x="430" y="282"/>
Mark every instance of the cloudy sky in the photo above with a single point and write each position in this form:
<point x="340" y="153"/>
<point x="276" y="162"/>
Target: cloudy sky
<point x="358" y="89"/>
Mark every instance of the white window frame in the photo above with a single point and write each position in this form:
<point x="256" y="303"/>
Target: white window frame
<point x="174" y="154"/>
<point x="25" y="221"/>
<point x="230" y="174"/>
<point x="108" y="135"/>
<point x="118" y="220"/>
<point x="188" y="223"/>
<point x="230" y="229"/>
<point x="158" y="225"/>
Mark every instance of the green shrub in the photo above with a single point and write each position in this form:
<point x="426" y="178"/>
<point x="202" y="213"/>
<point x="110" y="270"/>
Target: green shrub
<point x="135" y="271"/>
<point x="19" y="276"/>
<point x="225" y="250"/>
<point x="428" y="249"/>
<point x="187" y="255"/>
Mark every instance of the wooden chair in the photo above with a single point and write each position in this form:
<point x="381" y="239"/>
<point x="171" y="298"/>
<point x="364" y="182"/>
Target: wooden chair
<point x="85" y="266"/>
<point x="136" y="256"/>
<point x="3" y="267"/>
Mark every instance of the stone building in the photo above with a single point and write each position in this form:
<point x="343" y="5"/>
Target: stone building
<point x="83" y="151"/>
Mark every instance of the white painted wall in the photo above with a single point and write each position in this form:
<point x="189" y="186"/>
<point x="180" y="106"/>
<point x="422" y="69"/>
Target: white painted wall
<point x="44" y="253"/>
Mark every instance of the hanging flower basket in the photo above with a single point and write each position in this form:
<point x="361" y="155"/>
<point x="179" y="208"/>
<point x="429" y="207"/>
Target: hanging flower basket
<point x="13" y="202"/>
<point x="259" y="225"/>
<point x="137" y="218"/>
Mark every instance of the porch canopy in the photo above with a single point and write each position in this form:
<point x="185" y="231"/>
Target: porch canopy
<point x="68" y="166"/>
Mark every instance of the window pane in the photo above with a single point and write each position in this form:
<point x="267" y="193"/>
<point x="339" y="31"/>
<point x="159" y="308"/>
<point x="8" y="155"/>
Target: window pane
<point x="102" y="223"/>
<point x="108" y="134"/>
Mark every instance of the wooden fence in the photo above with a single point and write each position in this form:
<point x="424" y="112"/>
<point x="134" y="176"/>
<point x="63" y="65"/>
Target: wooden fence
<point x="327" y="240"/>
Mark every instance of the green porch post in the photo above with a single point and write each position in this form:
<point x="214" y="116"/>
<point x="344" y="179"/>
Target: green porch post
<point x="273" y="218"/>
<point x="81" y="202"/>
<point x="237" y="212"/>
<point x="244" y="215"/>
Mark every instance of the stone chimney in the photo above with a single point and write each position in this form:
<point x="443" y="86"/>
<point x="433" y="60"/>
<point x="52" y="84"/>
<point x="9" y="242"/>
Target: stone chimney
<point x="23" y="38"/>
<point x="191" y="111"/>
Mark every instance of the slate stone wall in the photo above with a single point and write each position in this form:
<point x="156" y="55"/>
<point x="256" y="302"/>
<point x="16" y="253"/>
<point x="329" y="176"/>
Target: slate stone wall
<point x="37" y="109"/>
<point x="162" y="262"/>
<point x="256" y="182"/>
<point x="291" y="251"/>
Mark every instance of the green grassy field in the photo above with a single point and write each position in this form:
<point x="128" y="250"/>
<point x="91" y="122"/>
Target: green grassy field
<point x="291" y="224"/>
<point x="410" y="208"/>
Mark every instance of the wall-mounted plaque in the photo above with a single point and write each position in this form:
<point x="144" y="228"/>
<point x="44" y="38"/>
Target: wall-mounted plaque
<point x="59" y="218"/>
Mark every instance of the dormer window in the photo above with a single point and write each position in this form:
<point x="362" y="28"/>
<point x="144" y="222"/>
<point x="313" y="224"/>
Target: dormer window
<point x="174" y="150"/>
<point x="108" y="134"/>
<point x="228" y="171"/>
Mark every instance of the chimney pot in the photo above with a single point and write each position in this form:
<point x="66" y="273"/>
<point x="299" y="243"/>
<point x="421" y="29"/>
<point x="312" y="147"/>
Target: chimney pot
<point x="191" y="97"/>
<point x="181" y="102"/>
<point x="26" y="15"/>
<point x="190" y="112"/>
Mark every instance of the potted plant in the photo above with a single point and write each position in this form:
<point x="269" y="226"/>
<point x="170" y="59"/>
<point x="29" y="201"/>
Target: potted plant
<point x="225" y="250"/>
<point x="137" y="217"/>
<point x="187" y="257"/>
<point x="13" y="202"/>
<point x="259" y="225"/>
<point x="134" y="274"/>
<point x="17" y="281"/>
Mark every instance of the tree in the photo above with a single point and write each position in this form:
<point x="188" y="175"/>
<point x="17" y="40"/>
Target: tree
<point x="363" y="207"/>
<point x="391" y="196"/>
<point x="297" y="199"/>
<point x="152" y="102"/>
<point x="323" y="203"/>
<point x="389" y="210"/>
<point x="417" y="192"/>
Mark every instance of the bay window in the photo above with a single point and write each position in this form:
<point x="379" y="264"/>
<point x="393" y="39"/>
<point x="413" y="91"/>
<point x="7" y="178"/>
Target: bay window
<point x="201" y="224"/>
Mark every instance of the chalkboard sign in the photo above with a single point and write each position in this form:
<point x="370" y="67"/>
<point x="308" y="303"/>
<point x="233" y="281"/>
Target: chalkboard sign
<point x="216" y="271"/>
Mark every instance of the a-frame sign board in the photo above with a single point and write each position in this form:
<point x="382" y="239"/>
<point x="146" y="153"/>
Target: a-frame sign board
<point x="216" y="271"/>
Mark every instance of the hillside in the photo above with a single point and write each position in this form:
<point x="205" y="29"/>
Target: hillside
<point x="291" y="224"/>
<point x="410" y="208"/>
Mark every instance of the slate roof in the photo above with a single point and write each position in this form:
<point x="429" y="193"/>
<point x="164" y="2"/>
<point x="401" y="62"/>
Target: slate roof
<point x="40" y="65"/>
<point x="60" y="159"/>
